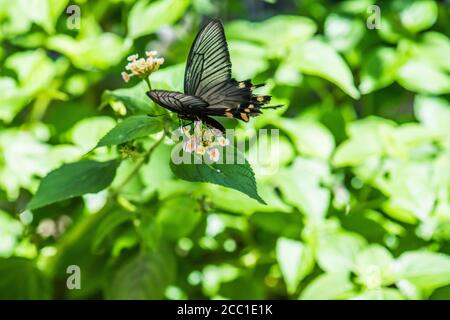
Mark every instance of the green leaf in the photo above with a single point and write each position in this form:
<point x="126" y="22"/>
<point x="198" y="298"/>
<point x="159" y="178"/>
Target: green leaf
<point x="374" y="266"/>
<point x="317" y="58"/>
<point x="426" y="270"/>
<point x="145" y="18"/>
<point x="144" y="276"/>
<point x="311" y="138"/>
<point x="87" y="132"/>
<point x="433" y="113"/>
<point x="290" y="30"/>
<point x="21" y="280"/>
<point x="305" y="191"/>
<point x="73" y="180"/>
<point x="329" y="286"/>
<point x="12" y="100"/>
<point x="99" y="51"/>
<point x="423" y="77"/>
<point x="295" y="261"/>
<point x="338" y="251"/>
<point x="178" y="216"/>
<point x="107" y="226"/>
<point x="129" y="129"/>
<point x="250" y="58"/>
<point x="380" y="294"/>
<point x="378" y="70"/>
<point x="343" y="32"/>
<point x="417" y="16"/>
<point x="237" y="176"/>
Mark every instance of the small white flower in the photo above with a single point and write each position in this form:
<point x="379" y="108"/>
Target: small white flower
<point x="223" y="141"/>
<point x="133" y="57"/>
<point x="151" y="53"/>
<point x="200" y="150"/>
<point x="126" y="77"/>
<point x="185" y="130"/>
<point x="214" y="154"/>
<point x="216" y="132"/>
<point x="189" y="146"/>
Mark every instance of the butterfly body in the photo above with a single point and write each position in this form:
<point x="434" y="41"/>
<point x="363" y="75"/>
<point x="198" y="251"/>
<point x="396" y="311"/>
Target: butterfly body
<point x="209" y="89"/>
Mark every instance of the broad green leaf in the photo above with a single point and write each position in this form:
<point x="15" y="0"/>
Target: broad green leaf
<point x="410" y="190"/>
<point x="305" y="191"/>
<point x="144" y="276"/>
<point x="248" y="58"/>
<point x="178" y="216"/>
<point x="338" y="251"/>
<point x="73" y="180"/>
<point x="233" y="175"/>
<point x="94" y="52"/>
<point x="25" y="157"/>
<point x="416" y="16"/>
<point x="21" y="280"/>
<point x="426" y="270"/>
<point x="129" y="129"/>
<point x="106" y="227"/>
<point x="87" y="132"/>
<point x="378" y="70"/>
<point x="380" y="294"/>
<point x="329" y="286"/>
<point x="226" y="199"/>
<point x="433" y="113"/>
<point x="12" y="100"/>
<point x="374" y="266"/>
<point x="365" y="142"/>
<point x="290" y="30"/>
<point x="295" y="260"/>
<point x="27" y="64"/>
<point x="10" y="231"/>
<point x="310" y="138"/>
<point x="423" y="77"/>
<point x="147" y="17"/>
<point x="317" y="58"/>
<point x="342" y="32"/>
<point x="432" y="47"/>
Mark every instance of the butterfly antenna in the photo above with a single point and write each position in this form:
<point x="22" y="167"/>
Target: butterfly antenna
<point x="273" y="107"/>
<point x="157" y="115"/>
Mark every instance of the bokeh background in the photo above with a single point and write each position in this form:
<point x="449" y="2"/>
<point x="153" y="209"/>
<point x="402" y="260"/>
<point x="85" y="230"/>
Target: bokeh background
<point x="357" y="209"/>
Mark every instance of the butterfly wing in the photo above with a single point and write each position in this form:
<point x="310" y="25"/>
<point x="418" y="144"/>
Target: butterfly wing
<point x="208" y="66"/>
<point x="178" y="102"/>
<point x="208" y="76"/>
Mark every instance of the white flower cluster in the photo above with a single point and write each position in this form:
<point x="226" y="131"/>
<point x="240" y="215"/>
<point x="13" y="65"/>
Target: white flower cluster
<point x="142" y="67"/>
<point x="203" y="140"/>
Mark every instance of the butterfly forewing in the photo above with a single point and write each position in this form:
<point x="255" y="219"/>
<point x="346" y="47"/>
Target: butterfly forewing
<point x="208" y="67"/>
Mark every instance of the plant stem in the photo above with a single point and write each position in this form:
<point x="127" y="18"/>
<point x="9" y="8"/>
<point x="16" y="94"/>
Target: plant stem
<point x="145" y="158"/>
<point x="147" y="80"/>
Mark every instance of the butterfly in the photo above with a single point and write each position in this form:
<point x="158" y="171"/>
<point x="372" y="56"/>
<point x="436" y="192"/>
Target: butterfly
<point x="209" y="89"/>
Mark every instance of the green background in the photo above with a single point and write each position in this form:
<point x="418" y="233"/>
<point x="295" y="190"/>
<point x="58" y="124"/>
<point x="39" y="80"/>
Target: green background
<point x="357" y="191"/>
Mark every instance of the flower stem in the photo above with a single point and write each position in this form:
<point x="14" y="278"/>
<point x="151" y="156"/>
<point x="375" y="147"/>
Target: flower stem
<point x="147" y="80"/>
<point x="145" y="158"/>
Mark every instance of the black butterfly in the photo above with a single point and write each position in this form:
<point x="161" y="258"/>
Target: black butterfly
<point x="209" y="89"/>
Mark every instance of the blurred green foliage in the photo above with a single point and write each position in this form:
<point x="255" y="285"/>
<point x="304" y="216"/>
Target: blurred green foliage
<point x="359" y="207"/>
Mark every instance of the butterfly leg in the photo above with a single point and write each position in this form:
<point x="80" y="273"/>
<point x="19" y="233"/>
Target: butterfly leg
<point x="212" y="123"/>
